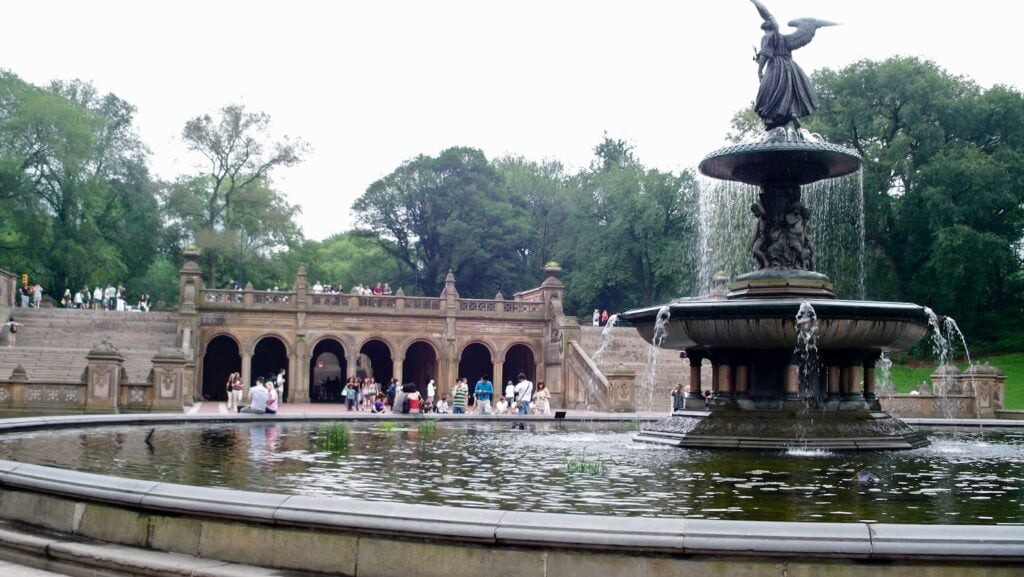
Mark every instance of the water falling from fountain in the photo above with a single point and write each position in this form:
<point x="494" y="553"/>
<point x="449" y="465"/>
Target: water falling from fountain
<point x="837" y="218"/>
<point x="658" y="339"/>
<point x="884" y="384"/>
<point x="592" y="389"/>
<point x="807" y="351"/>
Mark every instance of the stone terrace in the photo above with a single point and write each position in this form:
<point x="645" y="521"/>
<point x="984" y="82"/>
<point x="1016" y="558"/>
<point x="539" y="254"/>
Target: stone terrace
<point x="626" y="348"/>
<point x="53" y="343"/>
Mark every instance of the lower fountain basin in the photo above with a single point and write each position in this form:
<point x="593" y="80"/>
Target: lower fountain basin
<point x="771" y="324"/>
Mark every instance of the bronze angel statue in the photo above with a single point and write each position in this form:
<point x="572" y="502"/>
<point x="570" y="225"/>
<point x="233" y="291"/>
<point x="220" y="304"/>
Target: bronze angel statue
<point x="785" y="94"/>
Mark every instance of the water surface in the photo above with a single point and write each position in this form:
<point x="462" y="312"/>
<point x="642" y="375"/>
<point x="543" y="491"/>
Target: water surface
<point x="962" y="478"/>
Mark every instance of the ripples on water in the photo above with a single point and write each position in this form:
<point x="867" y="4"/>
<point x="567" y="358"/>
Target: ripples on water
<point x="958" y="479"/>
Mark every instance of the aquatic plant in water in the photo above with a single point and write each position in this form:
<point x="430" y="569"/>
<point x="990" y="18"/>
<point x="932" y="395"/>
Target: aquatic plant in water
<point x="335" y="438"/>
<point x="583" y="465"/>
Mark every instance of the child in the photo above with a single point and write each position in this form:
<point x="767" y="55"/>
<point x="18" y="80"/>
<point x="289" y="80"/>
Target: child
<point x="501" y="406"/>
<point x="442" y="405"/>
<point x="378" y="404"/>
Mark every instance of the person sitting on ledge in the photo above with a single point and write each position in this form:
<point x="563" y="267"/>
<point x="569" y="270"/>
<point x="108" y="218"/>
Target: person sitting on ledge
<point x="257" y="399"/>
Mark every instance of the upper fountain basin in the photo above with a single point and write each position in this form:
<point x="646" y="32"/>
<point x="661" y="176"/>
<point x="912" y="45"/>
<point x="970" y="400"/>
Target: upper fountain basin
<point x="771" y="324"/>
<point x="785" y="162"/>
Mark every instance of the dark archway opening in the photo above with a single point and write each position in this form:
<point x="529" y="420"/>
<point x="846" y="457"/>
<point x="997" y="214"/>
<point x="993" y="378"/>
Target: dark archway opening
<point x="269" y="357"/>
<point x="519" y="359"/>
<point x="375" y="361"/>
<point x="219" y="361"/>
<point x="420" y="365"/>
<point x="474" y="363"/>
<point x="327" y="372"/>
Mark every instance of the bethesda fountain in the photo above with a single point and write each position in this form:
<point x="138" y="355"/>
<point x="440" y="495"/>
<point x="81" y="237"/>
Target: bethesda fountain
<point x="791" y="364"/>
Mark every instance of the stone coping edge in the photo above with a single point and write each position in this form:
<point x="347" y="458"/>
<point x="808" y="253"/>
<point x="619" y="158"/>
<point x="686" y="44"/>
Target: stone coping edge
<point x="72" y="555"/>
<point x="632" y="535"/>
<point x="50" y="422"/>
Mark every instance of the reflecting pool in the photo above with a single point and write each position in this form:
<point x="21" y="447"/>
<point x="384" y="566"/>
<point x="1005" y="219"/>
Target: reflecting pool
<point x="596" y="468"/>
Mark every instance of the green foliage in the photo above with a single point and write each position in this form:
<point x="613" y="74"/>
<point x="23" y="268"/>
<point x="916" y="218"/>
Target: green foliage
<point x="626" y="235"/>
<point x="453" y="212"/>
<point x="906" y="377"/>
<point x="585" y="466"/>
<point x="76" y="201"/>
<point x="334" y="438"/>
<point x="943" y="183"/>
<point x="427" y="428"/>
<point x="350" y="258"/>
<point x="386" y="426"/>
<point x="230" y="210"/>
<point x="631" y="425"/>
<point x="160" y="282"/>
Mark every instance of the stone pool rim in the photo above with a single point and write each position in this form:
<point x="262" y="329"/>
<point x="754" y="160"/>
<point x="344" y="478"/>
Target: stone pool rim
<point x="161" y="514"/>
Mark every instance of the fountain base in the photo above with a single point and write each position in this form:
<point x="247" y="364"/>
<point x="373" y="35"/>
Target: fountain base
<point x="789" y="428"/>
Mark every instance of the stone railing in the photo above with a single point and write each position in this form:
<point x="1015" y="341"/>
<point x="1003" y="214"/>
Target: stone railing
<point x="288" y="300"/>
<point x="588" y="385"/>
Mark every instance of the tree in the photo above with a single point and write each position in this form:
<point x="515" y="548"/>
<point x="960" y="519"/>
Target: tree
<point x="230" y="205"/>
<point x="543" y="187"/>
<point x="79" y="202"/>
<point x="453" y="212"/>
<point x="629" y="228"/>
<point x="943" y="184"/>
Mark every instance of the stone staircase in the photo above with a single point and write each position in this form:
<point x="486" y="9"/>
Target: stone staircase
<point x="624" y="347"/>
<point x="52" y="343"/>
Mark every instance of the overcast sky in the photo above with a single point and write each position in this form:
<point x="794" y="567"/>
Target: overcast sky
<point x="372" y="84"/>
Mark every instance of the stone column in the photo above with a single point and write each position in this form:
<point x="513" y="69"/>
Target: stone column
<point x="868" y="367"/>
<point x="350" y="367"/>
<point x="396" y="369"/>
<point x="498" y="377"/>
<point x="725" y="379"/>
<point x="247" y="370"/>
<point x="834" y="376"/>
<point x="168" y="379"/>
<point x="791" y="382"/>
<point x="696" y="360"/>
<point x="741" y="374"/>
<point x="103" y="379"/>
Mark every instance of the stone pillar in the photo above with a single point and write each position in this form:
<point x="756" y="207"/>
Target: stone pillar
<point x="498" y="378"/>
<point x="103" y="379"/>
<point x="168" y="379"/>
<point x="791" y="382"/>
<point x="247" y="370"/>
<point x="696" y="360"/>
<point x="396" y="369"/>
<point x="741" y="375"/>
<point x="834" y="376"/>
<point x="350" y="367"/>
<point x="868" y="366"/>
<point x="725" y="379"/>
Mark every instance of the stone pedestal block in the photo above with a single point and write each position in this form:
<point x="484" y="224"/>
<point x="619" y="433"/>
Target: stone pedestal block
<point x="103" y="379"/>
<point x="168" y="379"/>
<point x="621" y="390"/>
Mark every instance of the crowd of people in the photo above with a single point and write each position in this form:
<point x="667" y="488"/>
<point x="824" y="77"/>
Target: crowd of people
<point x="108" y="298"/>
<point x="378" y="289"/>
<point x="366" y="394"/>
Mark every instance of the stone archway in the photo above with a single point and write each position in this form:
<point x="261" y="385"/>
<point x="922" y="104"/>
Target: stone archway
<point x="519" y="359"/>
<point x="420" y="364"/>
<point x="220" y="359"/>
<point x="269" y="356"/>
<point x="475" y="362"/>
<point x="327" y="372"/>
<point x="375" y="361"/>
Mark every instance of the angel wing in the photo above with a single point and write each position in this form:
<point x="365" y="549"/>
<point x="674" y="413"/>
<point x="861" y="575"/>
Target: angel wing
<point x="765" y="14"/>
<point x="805" y="29"/>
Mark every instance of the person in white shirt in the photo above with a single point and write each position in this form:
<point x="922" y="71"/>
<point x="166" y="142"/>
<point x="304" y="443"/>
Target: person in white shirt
<point x="524" y="394"/>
